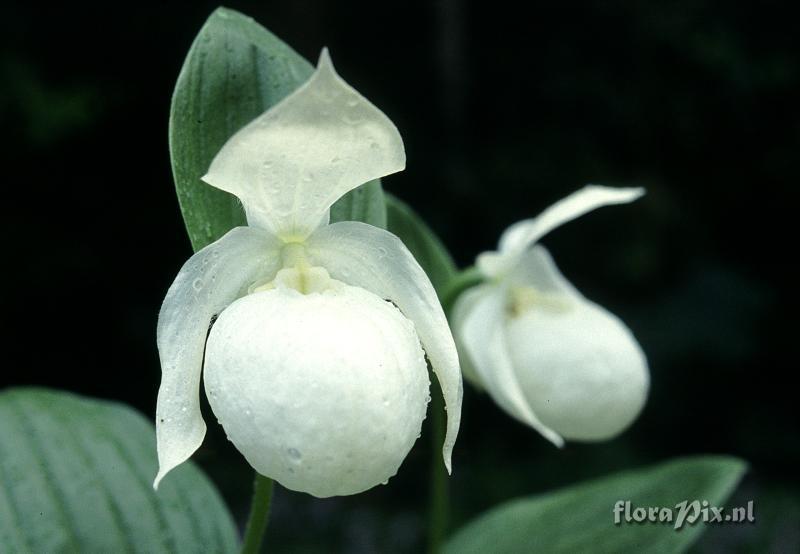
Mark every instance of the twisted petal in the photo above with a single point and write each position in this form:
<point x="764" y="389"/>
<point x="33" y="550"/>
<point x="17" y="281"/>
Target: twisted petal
<point x="525" y="233"/>
<point x="205" y="285"/>
<point x="293" y="162"/>
<point x="368" y="257"/>
<point x="483" y="335"/>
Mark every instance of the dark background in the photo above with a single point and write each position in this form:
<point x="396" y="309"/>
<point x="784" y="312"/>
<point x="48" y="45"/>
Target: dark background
<point x="502" y="111"/>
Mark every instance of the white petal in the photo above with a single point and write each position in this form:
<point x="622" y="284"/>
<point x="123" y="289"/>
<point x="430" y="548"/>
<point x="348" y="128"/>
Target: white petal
<point x="578" y="365"/>
<point x="537" y="269"/>
<point x="458" y="316"/>
<point x="368" y="257"/>
<point x="205" y="285"/>
<point x="483" y="335"/>
<point x="324" y="392"/>
<point x="523" y="234"/>
<point x="293" y="162"/>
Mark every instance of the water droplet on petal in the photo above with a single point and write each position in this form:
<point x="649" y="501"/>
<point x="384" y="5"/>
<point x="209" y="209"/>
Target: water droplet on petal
<point x="294" y="454"/>
<point x="197" y="284"/>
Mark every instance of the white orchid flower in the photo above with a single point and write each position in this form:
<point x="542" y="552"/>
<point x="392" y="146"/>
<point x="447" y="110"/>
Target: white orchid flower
<point x="547" y="355"/>
<point x="315" y="365"/>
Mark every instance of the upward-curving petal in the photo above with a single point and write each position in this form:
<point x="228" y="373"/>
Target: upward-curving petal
<point x="376" y="260"/>
<point x="525" y="233"/>
<point x="205" y="285"/>
<point x="293" y="162"/>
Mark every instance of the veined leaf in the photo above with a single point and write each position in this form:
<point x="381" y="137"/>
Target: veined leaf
<point x="580" y="518"/>
<point x="76" y="474"/>
<point x="236" y="70"/>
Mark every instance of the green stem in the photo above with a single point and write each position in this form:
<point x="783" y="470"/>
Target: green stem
<point x="259" y="515"/>
<point x="470" y="277"/>
<point x="439" y="490"/>
<point x="439" y="509"/>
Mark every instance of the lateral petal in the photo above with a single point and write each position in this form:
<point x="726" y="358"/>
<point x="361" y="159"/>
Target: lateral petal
<point x="376" y="260"/>
<point x="458" y="316"/>
<point x="290" y="164"/>
<point x="205" y="285"/>
<point x="483" y="336"/>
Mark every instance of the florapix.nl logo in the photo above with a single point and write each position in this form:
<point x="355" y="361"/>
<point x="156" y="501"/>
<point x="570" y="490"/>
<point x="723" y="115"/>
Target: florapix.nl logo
<point x="686" y="512"/>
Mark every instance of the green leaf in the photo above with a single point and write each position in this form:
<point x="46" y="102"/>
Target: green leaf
<point x="235" y="70"/>
<point x="422" y="242"/>
<point x="366" y="203"/>
<point x="76" y="476"/>
<point x="580" y="518"/>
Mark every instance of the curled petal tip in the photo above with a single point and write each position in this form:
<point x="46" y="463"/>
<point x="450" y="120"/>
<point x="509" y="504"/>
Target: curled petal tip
<point x="158" y="479"/>
<point x="622" y="194"/>
<point x="163" y="470"/>
<point x="555" y="439"/>
<point x="639" y="191"/>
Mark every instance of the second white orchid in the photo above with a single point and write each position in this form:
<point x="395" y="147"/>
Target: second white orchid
<point x="316" y="364"/>
<point x="547" y="355"/>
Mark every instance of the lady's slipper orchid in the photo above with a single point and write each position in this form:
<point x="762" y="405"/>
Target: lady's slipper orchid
<point x="315" y="364"/>
<point x="547" y="355"/>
